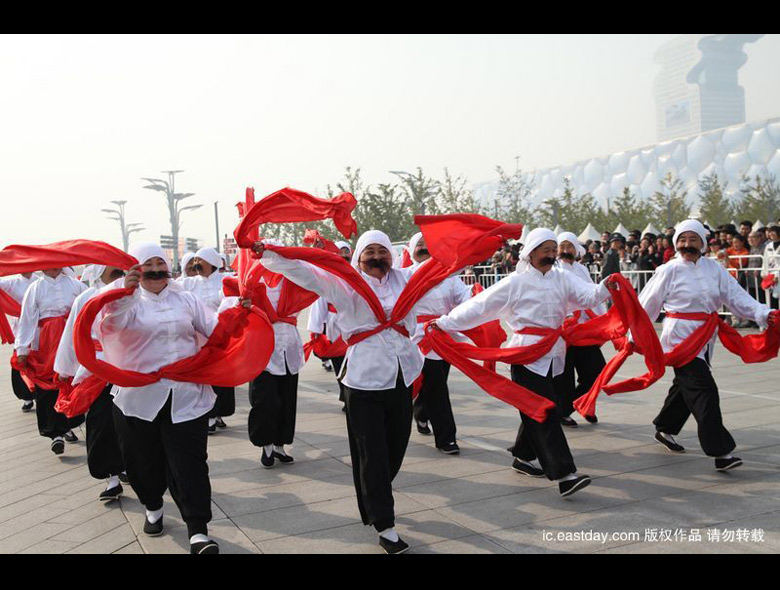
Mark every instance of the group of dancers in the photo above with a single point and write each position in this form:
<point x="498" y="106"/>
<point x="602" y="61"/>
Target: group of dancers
<point x="154" y="436"/>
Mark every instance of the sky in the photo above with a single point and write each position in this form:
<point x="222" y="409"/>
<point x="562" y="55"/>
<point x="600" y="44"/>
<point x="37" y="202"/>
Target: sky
<point x="84" y="117"/>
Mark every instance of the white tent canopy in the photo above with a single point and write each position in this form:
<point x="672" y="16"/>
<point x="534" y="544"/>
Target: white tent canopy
<point x="650" y="229"/>
<point x="757" y="224"/>
<point x="589" y="233"/>
<point x="621" y="230"/>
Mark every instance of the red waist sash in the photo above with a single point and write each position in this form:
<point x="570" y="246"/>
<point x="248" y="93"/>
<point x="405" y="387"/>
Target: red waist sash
<point x="39" y="368"/>
<point x="360" y="336"/>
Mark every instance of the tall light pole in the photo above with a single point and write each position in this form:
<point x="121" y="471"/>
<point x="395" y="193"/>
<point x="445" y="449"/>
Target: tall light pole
<point x="216" y="222"/>
<point x="173" y="198"/>
<point x="118" y="214"/>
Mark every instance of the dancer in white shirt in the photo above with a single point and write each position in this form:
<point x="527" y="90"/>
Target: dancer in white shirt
<point x="45" y="308"/>
<point x="433" y="401"/>
<point x="533" y="300"/>
<point x="162" y="427"/>
<point x="104" y="459"/>
<point x="587" y="361"/>
<point x="16" y="287"/>
<point x="379" y="368"/>
<point x="206" y="285"/>
<point x="694" y="284"/>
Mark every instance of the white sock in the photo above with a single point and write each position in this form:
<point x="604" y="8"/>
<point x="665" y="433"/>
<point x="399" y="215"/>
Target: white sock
<point x="56" y="438"/>
<point x="725" y="457"/>
<point x="568" y="477"/>
<point x="199" y="538"/>
<point x="269" y="449"/>
<point x="113" y="481"/>
<point x="390" y="535"/>
<point x="154" y="515"/>
<point x="668" y="437"/>
<point x="280" y="450"/>
<point x="529" y="463"/>
<point x="212" y="422"/>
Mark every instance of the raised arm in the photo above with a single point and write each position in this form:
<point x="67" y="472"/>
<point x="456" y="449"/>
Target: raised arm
<point x="28" y="322"/>
<point x="739" y="302"/>
<point x="487" y="306"/>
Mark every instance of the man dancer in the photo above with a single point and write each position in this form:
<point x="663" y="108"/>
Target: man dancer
<point x="187" y="264"/>
<point x="323" y="319"/>
<point x="104" y="459"/>
<point x="534" y="299"/>
<point x="588" y="361"/>
<point x="16" y="287"/>
<point x="45" y="308"/>
<point x="688" y="288"/>
<point x="433" y="401"/>
<point x="379" y="368"/>
<point x="206" y="285"/>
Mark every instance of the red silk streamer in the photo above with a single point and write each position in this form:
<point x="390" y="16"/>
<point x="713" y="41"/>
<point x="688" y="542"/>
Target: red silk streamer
<point x="406" y="259"/>
<point x="311" y="237"/>
<point x="17" y="259"/>
<point x="236" y="352"/>
<point x="768" y="282"/>
<point x="323" y="348"/>
<point x="39" y="368"/>
<point x="77" y="400"/>
<point x="290" y="205"/>
<point x="9" y="306"/>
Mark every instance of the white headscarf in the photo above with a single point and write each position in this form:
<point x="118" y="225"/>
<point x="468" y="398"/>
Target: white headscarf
<point x="373" y="236"/>
<point x="346" y="245"/>
<point x="92" y="274"/>
<point x="567" y="236"/>
<point x="144" y="251"/>
<point x="693" y="225"/>
<point x="535" y="238"/>
<point x="186" y="259"/>
<point x="68" y="271"/>
<point x="211" y="256"/>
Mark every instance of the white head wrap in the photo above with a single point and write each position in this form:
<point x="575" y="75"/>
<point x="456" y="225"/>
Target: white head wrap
<point x="567" y="236"/>
<point x="68" y="271"/>
<point x="693" y="225"/>
<point x="144" y="251"/>
<point x="186" y="259"/>
<point x="373" y="236"/>
<point x="535" y="238"/>
<point x="211" y="256"/>
<point x="346" y="245"/>
<point x="92" y="274"/>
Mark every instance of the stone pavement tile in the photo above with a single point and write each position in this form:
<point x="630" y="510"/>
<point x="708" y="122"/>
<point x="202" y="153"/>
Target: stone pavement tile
<point x="347" y="540"/>
<point x="135" y="514"/>
<point x="174" y="540"/>
<point x="283" y="496"/>
<point x="444" y="468"/>
<point x="133" y="548"/>
<point x="230" y="538"/>
<point x="472" y="545"/>
<point x="51" y="547"/>
<point x="428" y="527"/>
<point x="260" y="477"/>
<point x="29" y="519"/>
<point x="110" y="541"/>
<point x="24" y="506"/>
<point x="88" y="511"/>
<point x="29" y="536"/>
<point x="749" y="418"/>
<point x="298" y="520"/>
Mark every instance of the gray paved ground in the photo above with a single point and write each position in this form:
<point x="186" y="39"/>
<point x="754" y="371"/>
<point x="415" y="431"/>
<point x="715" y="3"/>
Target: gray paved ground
<point x="643" y="497"/>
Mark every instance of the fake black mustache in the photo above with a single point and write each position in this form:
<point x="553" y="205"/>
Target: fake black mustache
<point x="423" y="251"/>
<point x="566" y="256"/>
<point x="155" y="275"/>
<point x="687" y="250"/>
<point x="546" y="261"/>
<point x="117" y="274"/>
<point x="377" y="263"/>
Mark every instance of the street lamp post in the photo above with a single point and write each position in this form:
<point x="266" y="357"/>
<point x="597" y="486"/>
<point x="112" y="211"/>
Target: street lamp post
<point x="118" y="214"/>
<point x="174" y="199"/>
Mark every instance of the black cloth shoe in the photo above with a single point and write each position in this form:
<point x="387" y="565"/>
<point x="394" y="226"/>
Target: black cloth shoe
<point x="28" y="406"/>
<point x="726" y="464"/>
<point x="220" y="423"/>
<point x="267" y="460"/>
<point x="123" y="477"/>
<point x="568" y="421"/>
<point x="526" y="469"/>
<point x="670" y="446"/>
<point x="153" y="529"/>
<point x="591" y="419"/>
<point x="391" y="547"/>
<point x="204" y="547"/>
<point x="212" y="428"/>
<point x="70" y="437"/>
<point x="567" y="488"/>
<point x="283" y="457"/>
<point x="423" y="428"/>
<point x="450" y="449"/>
<point x="111" y="493"/>
<point x="344" y="409"/>
<point x="58" y="446"/>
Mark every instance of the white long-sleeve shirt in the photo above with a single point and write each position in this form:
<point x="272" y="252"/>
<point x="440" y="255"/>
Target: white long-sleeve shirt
<point x="440" y="300"/>
<point x="288" y="348"/>
<point x="45" y="298"/>
<point x="704" y="286"/>
<point x="771" y="265"/>
<point x="529" y="299"/>
<point x="145" y="331"/>
<point x="373" y="363"/>
<point x="582" y="272"/>
<point x="320" y="318"/>
<point x="16" y="287"/>
<point x="207" y="289"/>
<point x="66" y="363"/>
